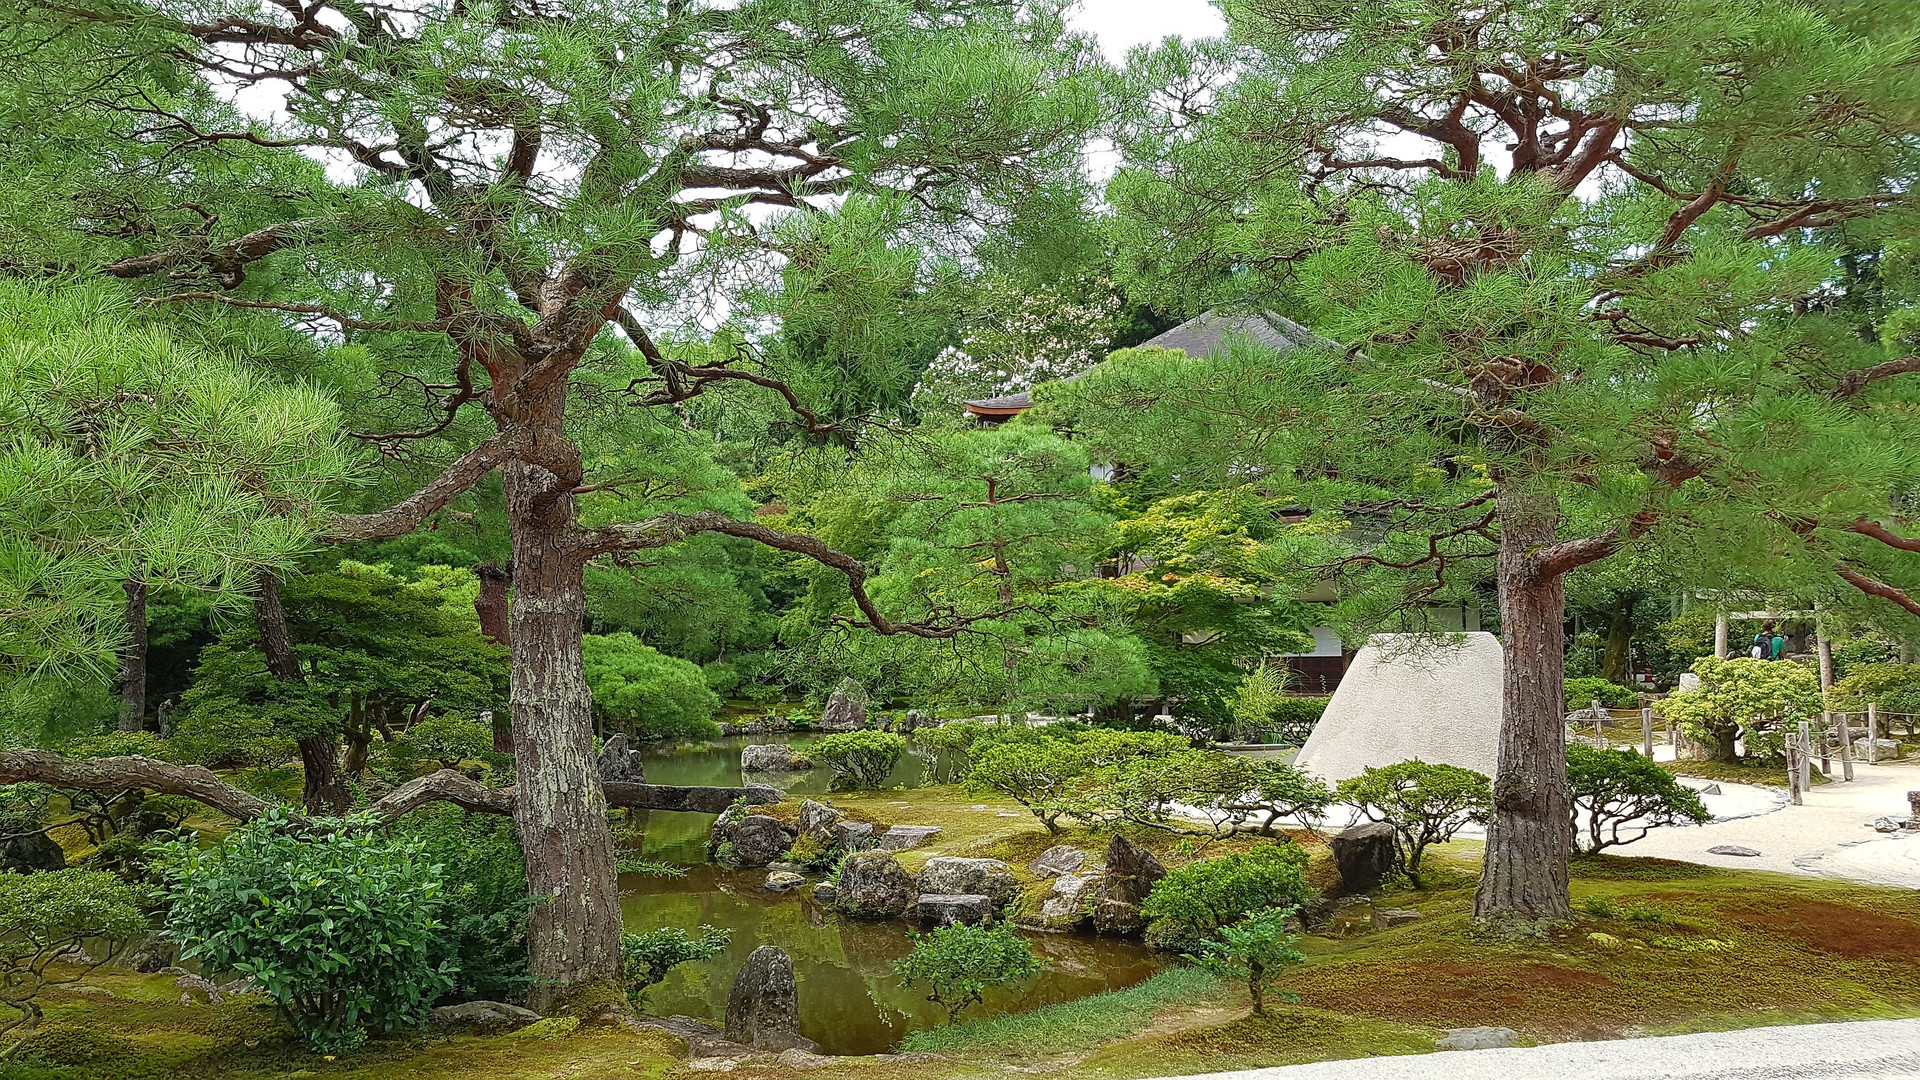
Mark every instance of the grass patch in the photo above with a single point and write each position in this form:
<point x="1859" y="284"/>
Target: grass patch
<point x="1735" y="773"/>
<point x="1072" y="1025"/>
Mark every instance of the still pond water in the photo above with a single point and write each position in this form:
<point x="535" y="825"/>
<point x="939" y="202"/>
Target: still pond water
<point x="850" y="1002"/>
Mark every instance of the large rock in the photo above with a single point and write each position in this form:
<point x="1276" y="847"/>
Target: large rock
<point x="619" y="763"/>
<point x="820" y="822"/>
<point x="1432" y="697"/>
<point x="1130" y="875"/>
<point x="950" y="908"/>
<point x="854" y="835"/>
<point x="25" y="853"/>
<point x="772" y="757"/>
<point x="991" y="878"/>
<point x="490" y="1014"/>
<point x="1065" y="905"/>
<point x="873" y="885"/>
<point x="756" y="839"/>
<point x="763" y="1011"/>
<point x="1885" y="749"/>
<point x="903" y="837"/>
<point x="847" y="709"/>
<point x="1367" y="855"/>
<point x="783" y="880"/>
<point x="1058" y="860"/>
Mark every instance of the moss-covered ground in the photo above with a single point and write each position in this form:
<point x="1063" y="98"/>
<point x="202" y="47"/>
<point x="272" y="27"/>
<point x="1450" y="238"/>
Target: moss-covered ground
<point x="1656" y="947"/>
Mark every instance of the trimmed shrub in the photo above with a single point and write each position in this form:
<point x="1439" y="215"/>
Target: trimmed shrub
<point x="645" y="693"/>
<point x="1188" y="907"/>
<point x="960" y="963"/>
<point x="646" y="958"/>
<point x="1583" y="692"/>
<point x="860" y="760"/>
<point x="1615" y="789"/>
<point x="44" y="915"/>
<point x="1754" y="700"/>
<point x="1258" y="949"/>
<point x="1425" y="804"/>
<point x="337" y="924"/>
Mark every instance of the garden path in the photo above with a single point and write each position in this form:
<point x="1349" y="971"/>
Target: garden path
<point x="1866" y="1050"/>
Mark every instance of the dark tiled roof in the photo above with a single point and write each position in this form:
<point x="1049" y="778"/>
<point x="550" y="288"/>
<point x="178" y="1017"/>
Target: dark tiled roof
<point x="1201" y="336"/>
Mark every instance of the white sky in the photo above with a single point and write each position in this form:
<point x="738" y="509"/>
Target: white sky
<point x="1122" y="24"/>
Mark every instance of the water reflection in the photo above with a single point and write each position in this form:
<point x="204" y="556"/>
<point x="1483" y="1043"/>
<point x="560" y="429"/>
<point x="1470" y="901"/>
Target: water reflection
<point x="850" y="1002"/>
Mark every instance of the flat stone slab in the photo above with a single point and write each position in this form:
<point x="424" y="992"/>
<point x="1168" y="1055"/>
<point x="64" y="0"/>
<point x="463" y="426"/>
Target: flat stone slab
<point x="904" y="837"/>
<point x="1478" y="1038"/>
<point x="1733" y="849"/>
<point x="1393" y="916"/>
<point x="950" y="908"/>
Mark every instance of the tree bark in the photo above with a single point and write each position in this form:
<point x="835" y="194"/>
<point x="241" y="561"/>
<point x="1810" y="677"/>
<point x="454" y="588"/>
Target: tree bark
<point x="1528" y="843"/>
<point x="560" y="810"/>
<point x="133" y="659"/>
<point x="495" y="611"/>
<point x="322" y="791"/>
<point x="1614" y="664"/>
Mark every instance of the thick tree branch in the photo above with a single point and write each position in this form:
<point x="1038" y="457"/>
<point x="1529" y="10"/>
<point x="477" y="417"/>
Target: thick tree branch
<point x="404" y="517"/>
<point x="1885" y="535"/>
<point x="1853" y="382"/>
<point x="1873" y="587"/>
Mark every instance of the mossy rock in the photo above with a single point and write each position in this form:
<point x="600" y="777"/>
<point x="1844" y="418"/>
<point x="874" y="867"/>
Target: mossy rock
<point x="551" y="1028"/>
<point x="586" y="1001"/>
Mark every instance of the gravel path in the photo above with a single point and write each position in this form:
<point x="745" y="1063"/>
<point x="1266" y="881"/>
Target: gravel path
<point x="1868" y="1050"/>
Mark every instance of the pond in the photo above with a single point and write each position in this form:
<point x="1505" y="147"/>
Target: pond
<point x="850" y="1001"/>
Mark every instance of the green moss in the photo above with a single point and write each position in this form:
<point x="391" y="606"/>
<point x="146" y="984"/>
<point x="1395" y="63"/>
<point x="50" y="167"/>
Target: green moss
<point x="1072" y="1025"/>
<point x="1289" y="1035"/>
<point x="550" y="1028"/>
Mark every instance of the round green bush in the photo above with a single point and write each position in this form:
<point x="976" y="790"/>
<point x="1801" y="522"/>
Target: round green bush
<point x="860" y="760"/>
<point x="1188" y="907"/>
<point x="645" y="693"/>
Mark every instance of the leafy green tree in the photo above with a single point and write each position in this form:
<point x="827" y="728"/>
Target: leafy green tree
<point x="43" y="917"/>
<point x="649" y="956"/>
<point x="337" y="927"/>
<point x="130" y="457"/>
<point x="1563" y="308"/>
<point x="1042" y="769"/>
<point x="591" y="173"/>
<point x="1584" y="691"/>
<point x="484" y="904"/>
<point x="960" y="963"/>
<point x="1194" y="902"/>
<point x="1234" y="791"/>
<point x="1259" y="949"/>
<point x="1615" y="789"/>
<point x="375" y="653"/>
<point x="860" y="760"/>
<point x="1425" y="803"/>
<point x="1744" y="699"/>
<point x="1894" y="687"/>
<point x="646" y="693"/>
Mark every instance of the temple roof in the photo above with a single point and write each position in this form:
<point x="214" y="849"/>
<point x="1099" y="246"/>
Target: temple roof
<point x="1201" y="336"/>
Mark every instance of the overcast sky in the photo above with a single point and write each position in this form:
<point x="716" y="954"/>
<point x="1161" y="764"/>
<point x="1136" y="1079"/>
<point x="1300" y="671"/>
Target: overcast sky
<point x="1122" y="24"/>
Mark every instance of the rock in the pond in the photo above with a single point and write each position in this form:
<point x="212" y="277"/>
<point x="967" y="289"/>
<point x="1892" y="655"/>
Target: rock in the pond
<point x="1057" y="860"/>
<point x="1884" y="749"/>
<point x="1733" y="849"/>
<point x="904" y="837"/>
<point x="1065" y="906"/>
<point x="1130" y="875"/>
<point x="772" y="757"/>
<point x="481" y="1014"/>
<point x="27" y="853"/>
<point x="1367" y="855"/>
<point x="1711" y="789"/>
<point x="873" y="885"/>
<point x="847" y="709"/>
<point x="820" y="823"/>
<point x="1478" y="1038"/>
<point x="763" y="1011"/>
<point x="854" y="835"/>
<point x="948" y="874"/>
<point x="619" y="763"/>
<point x="1393" y="916"/>
<point x="782" y="880"/>
<point x="825" y="892"/>
<point x="756" y="839"/>
<point x="950" y="908"/>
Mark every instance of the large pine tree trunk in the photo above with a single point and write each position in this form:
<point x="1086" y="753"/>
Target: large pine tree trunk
<point x="1528" y="839"/>
<point x="322" y="791"/>
<point x="133" y="660"/>
<point x="560" y="809"/>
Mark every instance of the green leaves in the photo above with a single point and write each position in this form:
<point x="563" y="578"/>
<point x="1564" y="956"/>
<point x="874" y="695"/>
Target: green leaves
<point x="959" y="964"/>
<point x="1756" y="698"/>
<point x="646" y="958"/>
<point x="1258" y="948"/>
<point x="338" y="926"/>
<point x="647" y="693"/>
<point x="1425" y="803"/>
<point x="860" y="760"/>
<point x="1192" y="904"/>
<point x="1618" y="789"/>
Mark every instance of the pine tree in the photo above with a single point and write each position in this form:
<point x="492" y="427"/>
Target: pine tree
<point x="1567" y="254"/>
<point x="529" y="183"/>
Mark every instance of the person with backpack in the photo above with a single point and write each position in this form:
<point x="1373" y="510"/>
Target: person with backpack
<point x="1762" y="643"/>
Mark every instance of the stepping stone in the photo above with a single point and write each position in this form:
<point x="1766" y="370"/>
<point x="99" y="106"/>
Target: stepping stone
<point x="903" y="837"/>
<point x="1733" y="849"/>
<point x="1478" y="1038"/>
<point x="1712" y="789"/>
<point x="1393" y="916"/>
